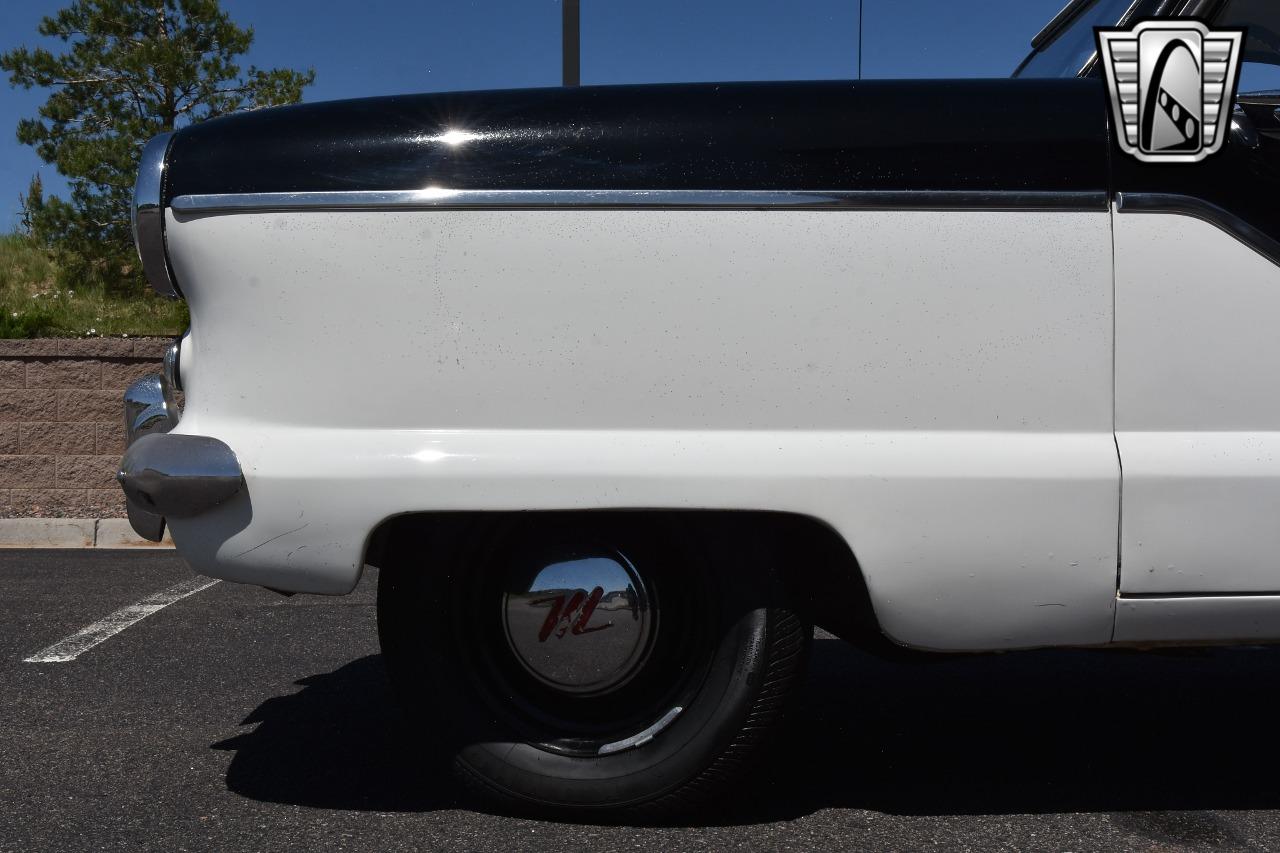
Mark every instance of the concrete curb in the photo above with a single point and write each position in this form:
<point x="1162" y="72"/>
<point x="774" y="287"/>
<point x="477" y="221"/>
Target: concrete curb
<point x="73" y="533"/>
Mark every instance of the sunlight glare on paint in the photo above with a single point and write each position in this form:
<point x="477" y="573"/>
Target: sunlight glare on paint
<point x="430" y="455"/>
<point x="455" y="138"/>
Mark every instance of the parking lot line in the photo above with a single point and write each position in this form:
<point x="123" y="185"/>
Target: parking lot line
<point x="86" y="638"/>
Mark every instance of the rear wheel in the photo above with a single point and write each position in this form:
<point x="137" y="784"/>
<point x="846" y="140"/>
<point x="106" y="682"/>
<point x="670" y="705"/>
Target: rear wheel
<point x="600" y="665"/>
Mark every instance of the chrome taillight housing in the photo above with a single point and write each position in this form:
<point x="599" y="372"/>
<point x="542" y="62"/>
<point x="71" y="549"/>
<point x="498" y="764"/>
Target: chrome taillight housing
<point x="148" y="217"/>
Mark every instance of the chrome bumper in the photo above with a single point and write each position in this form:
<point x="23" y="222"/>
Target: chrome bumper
<point x="169" y="476"/>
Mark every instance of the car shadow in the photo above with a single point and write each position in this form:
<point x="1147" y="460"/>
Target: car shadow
<point x="1028" y="732"/>
<point x="338" y="743"/>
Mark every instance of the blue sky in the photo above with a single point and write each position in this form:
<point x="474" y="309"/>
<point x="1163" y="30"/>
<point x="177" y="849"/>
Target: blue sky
<point x="379" y="47"/>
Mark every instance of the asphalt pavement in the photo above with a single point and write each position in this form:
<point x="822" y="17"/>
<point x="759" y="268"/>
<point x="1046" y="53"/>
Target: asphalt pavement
<point x="237" y="719"/>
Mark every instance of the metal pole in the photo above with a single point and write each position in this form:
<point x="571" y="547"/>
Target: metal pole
<point x="571" y="40"/>
<point x="860" y="2"/>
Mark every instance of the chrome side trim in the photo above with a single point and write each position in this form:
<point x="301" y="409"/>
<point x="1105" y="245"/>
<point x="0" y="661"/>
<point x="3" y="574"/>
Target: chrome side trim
<point x="446" y="199"/>
<point x="1184" y="205"/>
<point x="148" y="216"/>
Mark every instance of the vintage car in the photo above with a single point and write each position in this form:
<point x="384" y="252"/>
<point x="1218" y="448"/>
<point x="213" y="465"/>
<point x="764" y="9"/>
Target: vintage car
<point x="624" y="389"/>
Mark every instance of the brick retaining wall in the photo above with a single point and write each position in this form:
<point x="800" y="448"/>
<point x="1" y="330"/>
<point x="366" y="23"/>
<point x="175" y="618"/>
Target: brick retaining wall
<point x="62" y="425"/>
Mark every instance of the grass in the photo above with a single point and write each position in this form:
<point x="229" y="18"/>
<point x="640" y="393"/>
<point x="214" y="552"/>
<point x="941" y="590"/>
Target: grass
<point x="34" y="305"/>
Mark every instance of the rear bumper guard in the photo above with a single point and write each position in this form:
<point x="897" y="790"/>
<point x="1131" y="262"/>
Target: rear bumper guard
<point x="169" y="476"/>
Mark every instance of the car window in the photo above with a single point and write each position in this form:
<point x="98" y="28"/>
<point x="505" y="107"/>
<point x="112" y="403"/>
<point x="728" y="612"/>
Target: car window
<point x="1071" y="48"/>
<point x="1257" y="78"/>
<point x="1260" y="68"/>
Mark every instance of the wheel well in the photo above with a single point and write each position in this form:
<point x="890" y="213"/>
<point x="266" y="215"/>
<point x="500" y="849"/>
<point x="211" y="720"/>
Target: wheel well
<point x="819" y="569"/>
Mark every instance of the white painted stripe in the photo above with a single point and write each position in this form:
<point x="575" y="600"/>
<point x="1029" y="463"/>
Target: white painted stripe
<point x="83" y="640"/>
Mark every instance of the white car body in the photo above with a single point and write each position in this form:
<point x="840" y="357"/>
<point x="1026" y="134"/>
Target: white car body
<point x="624" y="390"/>
<point x="1033" y="422"/>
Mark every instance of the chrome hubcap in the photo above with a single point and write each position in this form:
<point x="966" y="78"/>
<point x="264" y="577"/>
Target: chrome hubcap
<point x="582" y="623"/>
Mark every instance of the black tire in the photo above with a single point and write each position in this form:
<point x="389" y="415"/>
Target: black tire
<point x="716" y="676"/>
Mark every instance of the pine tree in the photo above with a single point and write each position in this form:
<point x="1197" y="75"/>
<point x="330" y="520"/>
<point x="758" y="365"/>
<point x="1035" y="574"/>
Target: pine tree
<point x="130" y="69"/>
<point x="31" y="203"/>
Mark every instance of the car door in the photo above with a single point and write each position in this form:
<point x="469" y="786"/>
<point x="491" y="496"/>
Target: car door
<point x="1197" y="373"/>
